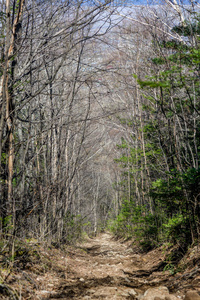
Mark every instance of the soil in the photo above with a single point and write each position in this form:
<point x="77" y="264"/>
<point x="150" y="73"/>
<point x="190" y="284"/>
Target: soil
<point x="100" y="268"/>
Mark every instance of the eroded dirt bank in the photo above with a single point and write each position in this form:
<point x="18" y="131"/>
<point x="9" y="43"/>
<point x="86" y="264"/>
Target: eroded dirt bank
<point x="103" y="268"/>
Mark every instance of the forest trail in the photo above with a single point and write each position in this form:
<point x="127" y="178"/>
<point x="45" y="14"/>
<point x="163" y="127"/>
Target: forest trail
<point x="103" y="268"/>
<point x="98" y="270"/>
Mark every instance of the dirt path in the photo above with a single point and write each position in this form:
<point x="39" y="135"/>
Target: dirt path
<point x="99" y="271"/>
<point x="103" y="268"/>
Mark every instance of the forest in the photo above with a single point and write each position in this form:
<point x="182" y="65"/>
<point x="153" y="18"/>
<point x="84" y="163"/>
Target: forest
<point x="99" y="121"/>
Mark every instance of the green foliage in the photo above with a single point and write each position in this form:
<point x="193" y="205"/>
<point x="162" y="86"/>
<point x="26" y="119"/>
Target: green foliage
<point x="170" y="267"/>
<point x="152" y="83"/>
<point x="171" y="194"/>
<point x="7" y="220"/>
<point x="3" y="158"/>
<point x="188" y="29"/>
<point x="158" y="60"/>
<point x="7" y="223"/>
<point x="135" y="221"/>
<point x="178" y="231"/>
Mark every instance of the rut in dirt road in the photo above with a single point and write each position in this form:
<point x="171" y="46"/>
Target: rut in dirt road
<point x="103" y="268"/>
